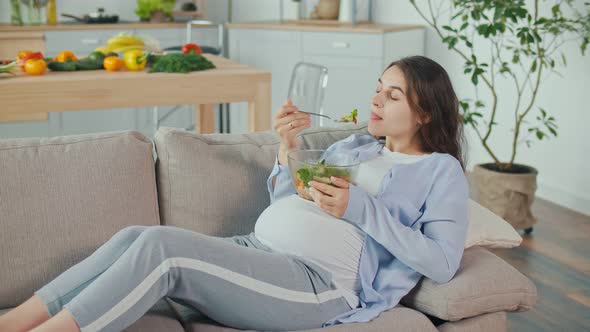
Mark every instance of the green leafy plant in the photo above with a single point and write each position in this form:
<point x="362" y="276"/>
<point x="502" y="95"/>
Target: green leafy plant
<point x="180" y="63"/>
<point x="518" y="45"/>
<point x="145" y="8"/>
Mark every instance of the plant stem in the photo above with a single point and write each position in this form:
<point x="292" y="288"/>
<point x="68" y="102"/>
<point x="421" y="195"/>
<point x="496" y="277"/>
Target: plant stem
<point x="486" y="81"/>
<point x="533" y="98"/>
<point x="485" y="144"/>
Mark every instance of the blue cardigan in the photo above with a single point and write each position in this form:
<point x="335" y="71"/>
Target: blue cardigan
<point x="415" y="226"/>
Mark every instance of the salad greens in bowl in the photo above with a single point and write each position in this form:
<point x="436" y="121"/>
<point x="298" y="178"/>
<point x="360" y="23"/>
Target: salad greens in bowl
<point x="319" y="166"/>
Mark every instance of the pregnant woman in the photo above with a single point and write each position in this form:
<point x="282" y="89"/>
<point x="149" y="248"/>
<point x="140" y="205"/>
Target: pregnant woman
<point x="352" y="253"/>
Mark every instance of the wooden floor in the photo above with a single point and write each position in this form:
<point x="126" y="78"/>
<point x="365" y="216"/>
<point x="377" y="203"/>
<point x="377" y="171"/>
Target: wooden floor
<point x="556" y="256"/>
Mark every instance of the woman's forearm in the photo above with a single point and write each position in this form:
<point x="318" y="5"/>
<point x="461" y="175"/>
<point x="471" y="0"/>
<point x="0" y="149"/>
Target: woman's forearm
<point x="283" y="152"/>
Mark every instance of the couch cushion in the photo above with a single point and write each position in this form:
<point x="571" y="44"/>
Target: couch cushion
<point x="492" y="322"/>
<point x="215" y="184"/>
<point x="396" y="319"/>
<point x="160" y="318"/>
<point x="484" y="283"/>
<point x="62" y="197"/>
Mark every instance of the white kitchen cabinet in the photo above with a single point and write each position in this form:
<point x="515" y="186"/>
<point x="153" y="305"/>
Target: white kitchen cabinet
<point x="81" y="42"/>
<point x="342" y="44"/>
<point x="180" y="116"/>
<point x="177" y="36"/>
<point x="351" y="84"/>
<point x="273" y="51"/>
<point x="354" y="61"/>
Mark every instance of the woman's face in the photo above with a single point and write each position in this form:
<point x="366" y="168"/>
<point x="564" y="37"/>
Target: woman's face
<point x="390" y="112"/>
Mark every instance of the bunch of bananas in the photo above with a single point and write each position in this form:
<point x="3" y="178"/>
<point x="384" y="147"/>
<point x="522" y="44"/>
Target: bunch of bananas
<point x="122" y="43"/>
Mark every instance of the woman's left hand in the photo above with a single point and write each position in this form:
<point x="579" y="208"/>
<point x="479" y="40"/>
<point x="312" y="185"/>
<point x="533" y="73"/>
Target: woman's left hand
<point x="333" y="200"/>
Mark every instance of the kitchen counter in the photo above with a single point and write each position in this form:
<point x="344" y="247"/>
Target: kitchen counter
<point x="84" y="26"/>
<point x="101" y="90"/>
<point x="327" y="26"/>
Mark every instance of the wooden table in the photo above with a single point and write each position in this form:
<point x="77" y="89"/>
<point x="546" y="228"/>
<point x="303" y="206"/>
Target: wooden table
<point x="92" y="90"/>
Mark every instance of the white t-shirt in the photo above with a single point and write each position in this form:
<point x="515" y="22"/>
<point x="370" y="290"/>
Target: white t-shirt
<point x="299" y="227"/>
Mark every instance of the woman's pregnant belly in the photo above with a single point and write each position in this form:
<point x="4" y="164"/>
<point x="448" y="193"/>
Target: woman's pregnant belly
<point x="299" y="227"/>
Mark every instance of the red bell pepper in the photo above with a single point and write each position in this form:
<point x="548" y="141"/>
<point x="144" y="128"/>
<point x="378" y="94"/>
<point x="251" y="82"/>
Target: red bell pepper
<point x="191" y="48"/>
<point x="34" y="55"/>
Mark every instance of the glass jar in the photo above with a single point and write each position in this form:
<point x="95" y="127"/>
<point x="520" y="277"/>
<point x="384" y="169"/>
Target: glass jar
<point x="34" y="8"/>
<point x="16" y="17"/>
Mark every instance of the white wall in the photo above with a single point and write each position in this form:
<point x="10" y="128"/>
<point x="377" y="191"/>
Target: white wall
<point x="562" y="162"/>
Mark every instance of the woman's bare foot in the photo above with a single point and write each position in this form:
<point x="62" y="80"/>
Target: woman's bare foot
<point x="25" y="317"/>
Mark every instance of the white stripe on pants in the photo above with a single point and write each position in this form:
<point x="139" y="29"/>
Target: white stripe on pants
<point x="236" y="281"/>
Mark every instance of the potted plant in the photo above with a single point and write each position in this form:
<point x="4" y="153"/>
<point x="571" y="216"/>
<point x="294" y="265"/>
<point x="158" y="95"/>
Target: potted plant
<point x="520" y="47"/>
<point x="155" y="10"/>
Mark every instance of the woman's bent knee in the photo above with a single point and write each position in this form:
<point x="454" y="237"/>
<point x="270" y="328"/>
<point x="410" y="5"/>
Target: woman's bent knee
<point x="155" y="236"/>
<point x="130" y="233"/>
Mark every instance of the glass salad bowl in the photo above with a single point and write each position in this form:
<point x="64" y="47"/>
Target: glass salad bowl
<point x="316" y="165"/>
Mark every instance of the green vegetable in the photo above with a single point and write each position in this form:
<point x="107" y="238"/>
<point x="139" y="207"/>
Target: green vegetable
<point x="88" y="64"/>
<point x="321" y="172"/>
<point x="62" y="66"/>
<point x="8" y="68"/>
<point x="351" y="117"/>
<point x="180" y="63"/>
<point x="96" y="56"/>
<point x="304" y="175"/>
<point x="84" y="64"/>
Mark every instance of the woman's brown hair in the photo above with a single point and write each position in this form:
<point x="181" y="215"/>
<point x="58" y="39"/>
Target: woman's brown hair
<point x="431" y="95"/>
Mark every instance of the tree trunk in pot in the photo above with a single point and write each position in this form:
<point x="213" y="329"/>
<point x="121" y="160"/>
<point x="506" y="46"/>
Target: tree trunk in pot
<point x="509" y="195"/>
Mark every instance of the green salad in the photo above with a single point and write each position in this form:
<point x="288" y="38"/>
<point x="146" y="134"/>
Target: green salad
<point x="320" y="172"/>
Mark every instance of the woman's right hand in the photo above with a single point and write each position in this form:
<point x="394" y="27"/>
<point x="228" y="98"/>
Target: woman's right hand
<point x="288" y="123"/>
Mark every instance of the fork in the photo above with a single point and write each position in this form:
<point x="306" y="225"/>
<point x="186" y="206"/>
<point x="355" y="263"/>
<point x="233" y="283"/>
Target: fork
<point x="325" y="116"/>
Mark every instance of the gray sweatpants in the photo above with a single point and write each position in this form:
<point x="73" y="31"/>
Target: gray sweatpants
<point x="236" y="281"/>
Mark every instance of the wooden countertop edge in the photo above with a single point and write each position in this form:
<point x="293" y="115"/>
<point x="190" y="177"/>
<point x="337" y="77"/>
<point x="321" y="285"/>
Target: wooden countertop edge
<point x="295" y="25"/>
<point x="21" y="35"/>
<point x="225" y="67"/>
<point x="33" y="28"/>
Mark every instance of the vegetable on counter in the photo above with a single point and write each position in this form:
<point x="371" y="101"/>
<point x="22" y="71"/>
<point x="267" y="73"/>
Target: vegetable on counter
<point x="88" y="64"/>
<point x="92" y="62"/>
<point x="191" y="48"/>
<point x="24" y="56"/>
<point x="8" y="68"/>
<point x="113" y="63"/>
<point x="123" y="42"/>
<point x="135" y="60"/>
<point x="35" y="66"/>
<point x="20" y="57"/>
<point x="62" y="66"/>
<point x="180" y="63"/>
<point x="64" y="56"/>
<point x="96" y="56"/>
<point x="351" y="117"/>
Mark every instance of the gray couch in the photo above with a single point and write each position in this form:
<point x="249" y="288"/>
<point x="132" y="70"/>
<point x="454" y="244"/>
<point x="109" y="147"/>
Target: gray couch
<point x="62" y="197"/>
